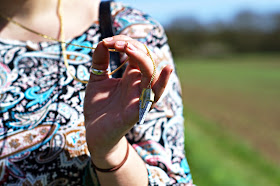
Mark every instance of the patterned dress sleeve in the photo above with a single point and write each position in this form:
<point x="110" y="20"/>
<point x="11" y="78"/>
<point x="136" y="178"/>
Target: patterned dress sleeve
<point x="160" y="140"/>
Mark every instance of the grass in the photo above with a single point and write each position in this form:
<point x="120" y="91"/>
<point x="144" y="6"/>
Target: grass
<point x="217" y="157"/>
<point x="255" y="75"/>
<point x="231" y="109"/>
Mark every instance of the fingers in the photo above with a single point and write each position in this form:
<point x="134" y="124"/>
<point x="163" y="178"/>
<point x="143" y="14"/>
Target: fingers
<point x="162" y="81"/>
<point x="138" y="58"/>
<point x="137" y="54"/>
<point x="100" y="61"/>
<point x="143" y="61"/>
<point x="119" y="41"/>
<point x="100" y="58"/>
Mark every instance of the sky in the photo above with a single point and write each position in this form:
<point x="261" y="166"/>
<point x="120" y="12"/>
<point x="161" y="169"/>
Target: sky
<point x="204" y="10"/>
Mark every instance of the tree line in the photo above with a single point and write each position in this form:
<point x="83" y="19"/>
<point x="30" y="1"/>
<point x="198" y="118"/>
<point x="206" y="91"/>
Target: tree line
<point x="247" y="32"/>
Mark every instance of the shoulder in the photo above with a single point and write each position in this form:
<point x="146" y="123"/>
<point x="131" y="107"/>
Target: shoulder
<point x="133" y="22"/>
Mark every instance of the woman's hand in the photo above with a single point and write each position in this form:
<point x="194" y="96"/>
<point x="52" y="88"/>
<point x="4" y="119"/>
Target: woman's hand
<point x="111" y="106"/>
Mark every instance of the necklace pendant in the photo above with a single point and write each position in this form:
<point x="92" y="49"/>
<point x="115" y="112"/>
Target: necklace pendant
<point x="145" y="103"/>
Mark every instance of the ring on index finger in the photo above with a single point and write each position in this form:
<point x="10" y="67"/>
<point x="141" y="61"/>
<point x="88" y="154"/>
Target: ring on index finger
<point x="99" y="72"/>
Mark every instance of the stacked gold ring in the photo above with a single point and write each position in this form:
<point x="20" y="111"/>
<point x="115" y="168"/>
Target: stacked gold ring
<point x="98" y="72"/>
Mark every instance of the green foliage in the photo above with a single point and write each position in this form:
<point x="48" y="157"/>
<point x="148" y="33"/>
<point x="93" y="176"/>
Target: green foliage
<point x="248" y="32"/>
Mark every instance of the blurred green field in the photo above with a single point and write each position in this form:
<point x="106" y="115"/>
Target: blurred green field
<point x="232" y="111"/>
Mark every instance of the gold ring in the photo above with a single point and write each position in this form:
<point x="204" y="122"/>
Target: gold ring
<point x="98" y="72"/>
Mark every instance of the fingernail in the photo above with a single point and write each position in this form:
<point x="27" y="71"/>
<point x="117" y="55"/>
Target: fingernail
<point x="131" y="47"/>
<point x="120" y="43"/>
<point x="108" y="39"/>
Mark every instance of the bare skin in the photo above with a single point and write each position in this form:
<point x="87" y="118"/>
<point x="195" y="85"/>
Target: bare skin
<point x="36" y="13"/>
<point x="111" y="105"/>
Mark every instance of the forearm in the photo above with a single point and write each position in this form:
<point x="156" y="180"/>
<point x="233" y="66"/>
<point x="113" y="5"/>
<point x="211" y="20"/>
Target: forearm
<point x="132" y="172"/>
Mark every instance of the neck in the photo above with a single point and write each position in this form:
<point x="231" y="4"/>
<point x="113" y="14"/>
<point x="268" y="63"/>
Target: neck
<point x="27" y="8"/>
<point x="78" y="16"/>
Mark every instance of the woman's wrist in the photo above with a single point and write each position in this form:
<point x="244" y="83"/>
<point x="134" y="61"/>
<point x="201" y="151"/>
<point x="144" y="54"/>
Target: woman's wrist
<point x="107" y="158"/>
